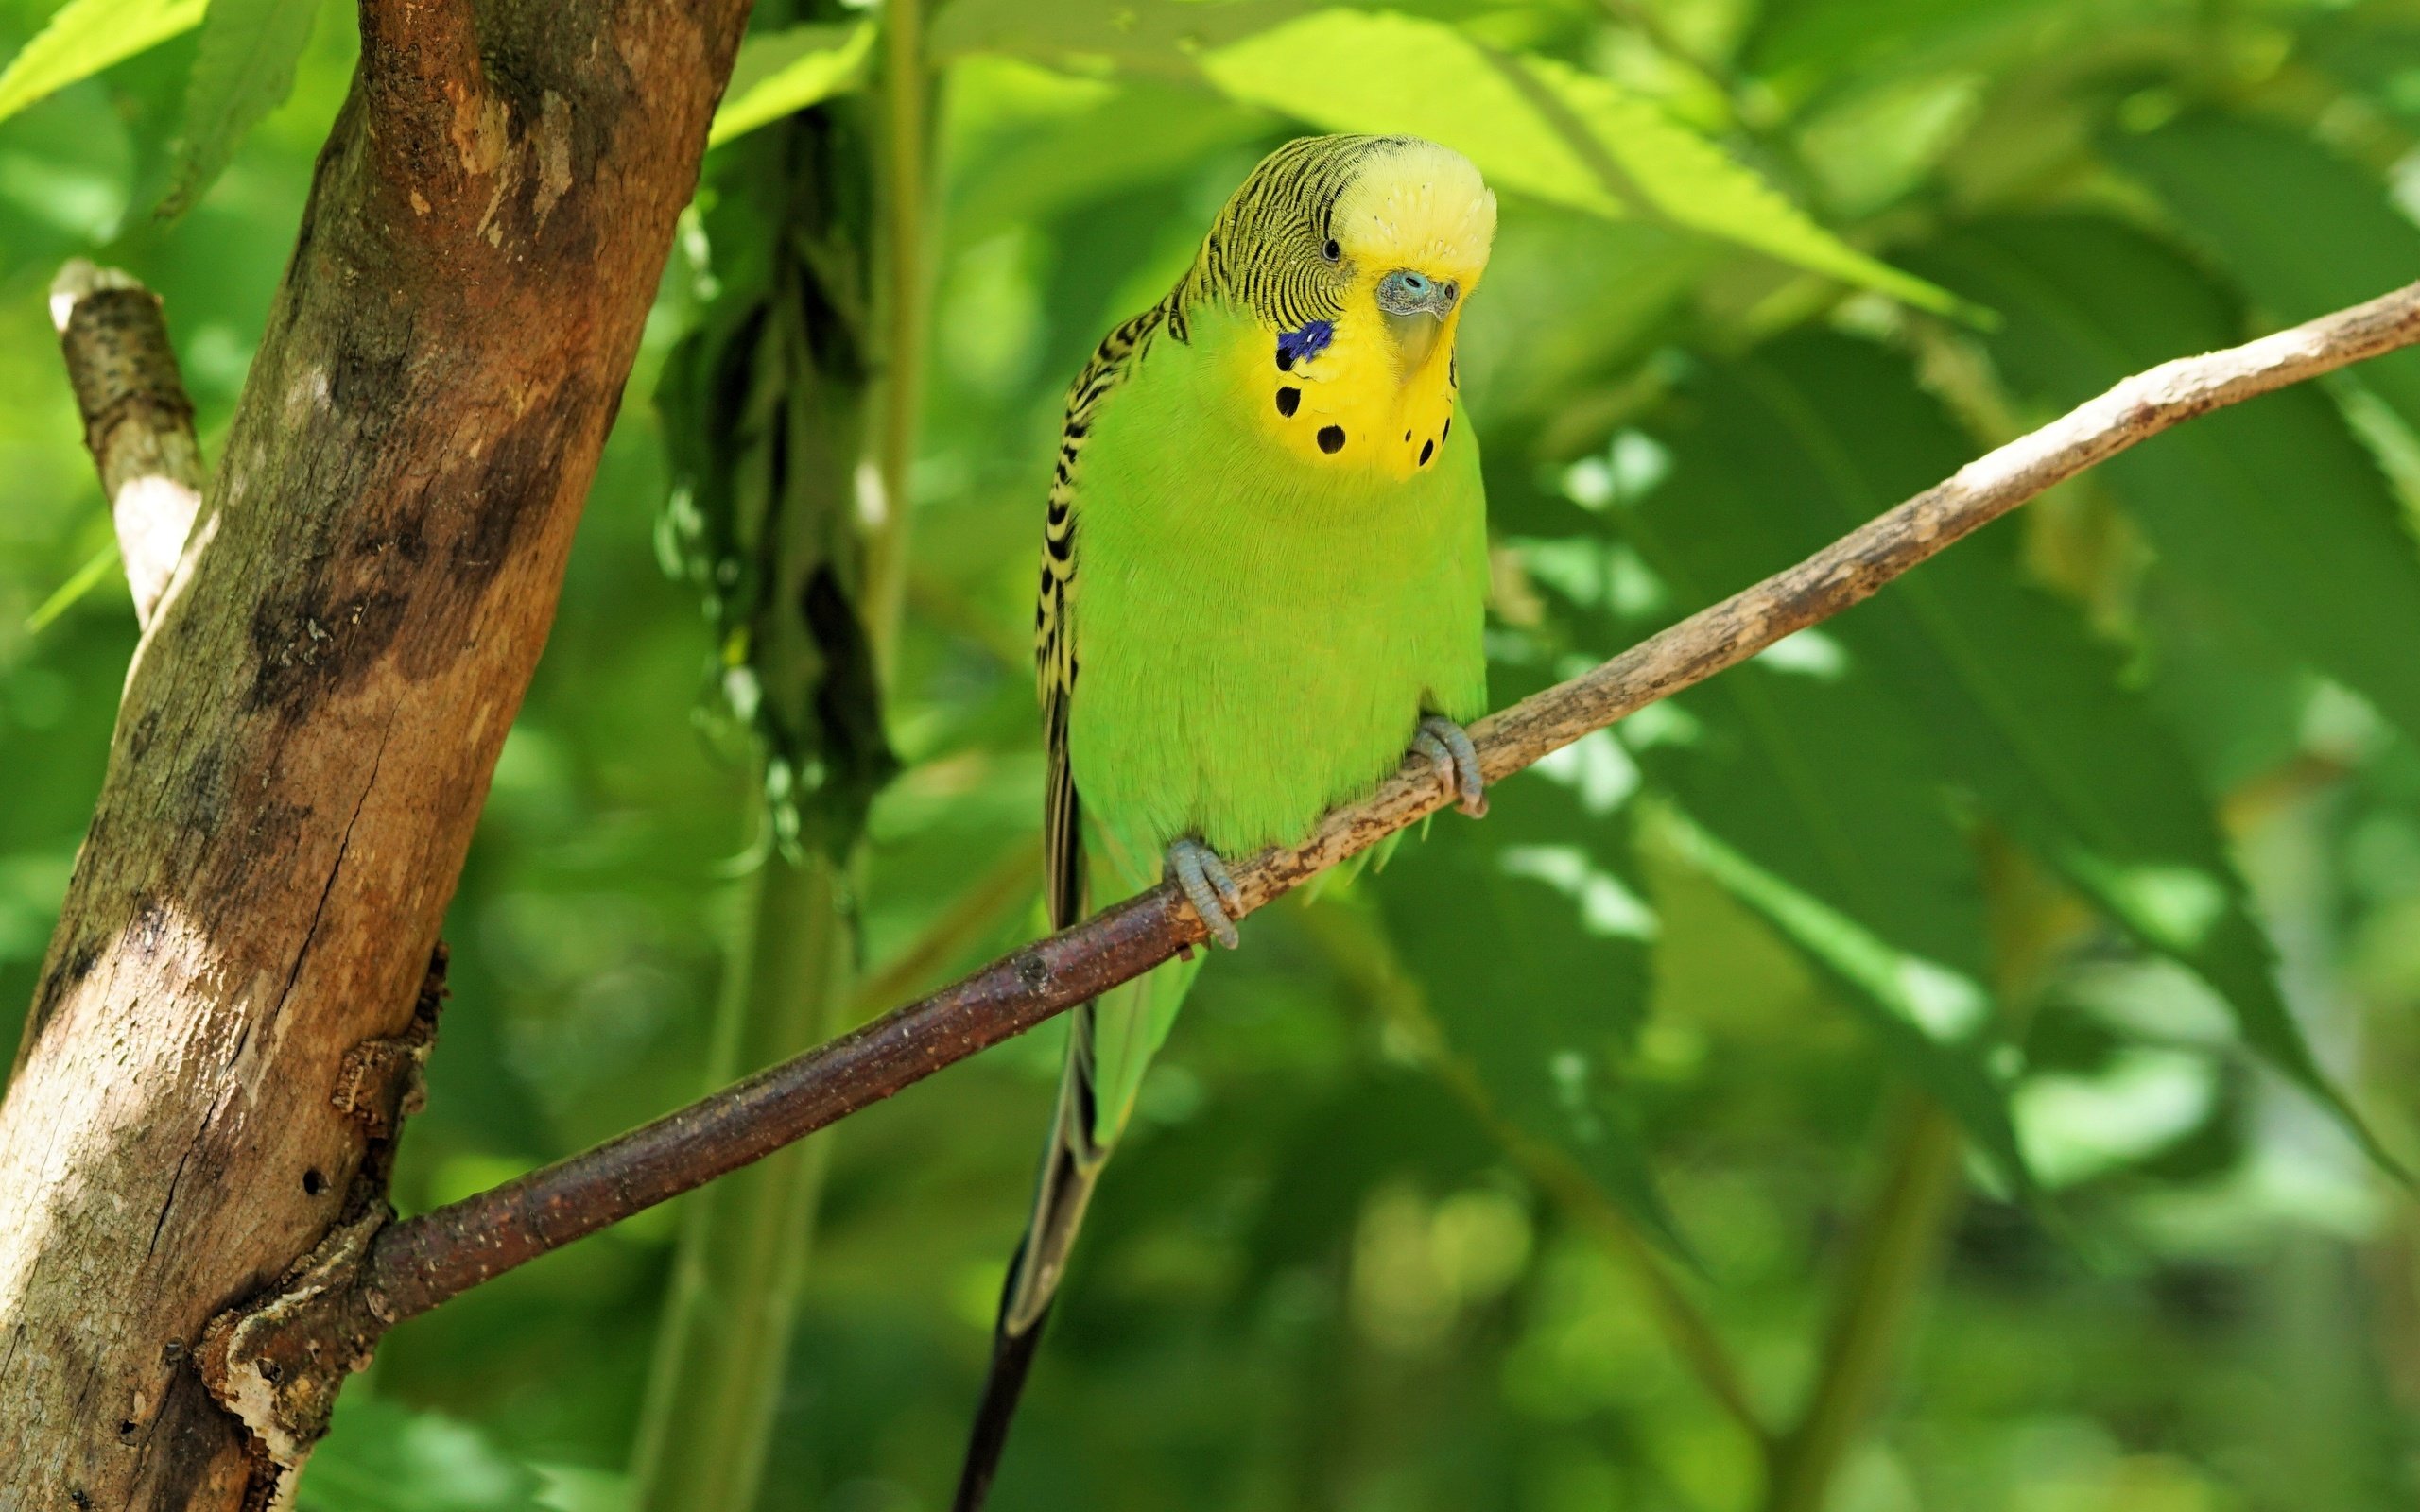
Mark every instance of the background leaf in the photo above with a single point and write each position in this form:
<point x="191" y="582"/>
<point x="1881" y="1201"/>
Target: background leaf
<point x="2272" y="505"/>
<point x="244" y="69"/>
<point x="778" y="72"/>
<point x="1536" y="125"/>
<point x="2259" y="198"/>
<point x="2023" y="708"/>
<point x="1543" y="1015"/>
<point x="86" y="35"/>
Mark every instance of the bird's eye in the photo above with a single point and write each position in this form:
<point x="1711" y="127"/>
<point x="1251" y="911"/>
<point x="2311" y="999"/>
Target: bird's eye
<point x="1332" y="251"/>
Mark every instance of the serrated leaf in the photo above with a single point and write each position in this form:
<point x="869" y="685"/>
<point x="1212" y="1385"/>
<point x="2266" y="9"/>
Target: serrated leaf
<point x="1816" y="798"/>
<point x="2026" y="708"/>
<point x="779" y="73"/>
<point x="2303" y="230"/>
<point x="1537" y="126"/>
<point x="2272" y="505"/>
<point x="1815" y="803"/>
<point x="1540" y="1014"/>
<point x="244" y="69"/>
<point x="84" y="37"/>
<point x="1940" y="1025"/>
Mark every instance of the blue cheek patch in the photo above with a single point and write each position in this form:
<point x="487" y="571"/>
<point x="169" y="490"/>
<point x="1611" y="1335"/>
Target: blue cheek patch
<point x="1301" y="346"/>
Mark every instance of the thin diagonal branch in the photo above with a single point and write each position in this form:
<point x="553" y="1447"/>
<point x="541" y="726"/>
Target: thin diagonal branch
<point x="416" y="1264"/>
<point x="138" y="423"/>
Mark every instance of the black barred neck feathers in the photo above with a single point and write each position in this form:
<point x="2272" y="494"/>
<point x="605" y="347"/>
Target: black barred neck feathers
<point x="1354" y="256"/>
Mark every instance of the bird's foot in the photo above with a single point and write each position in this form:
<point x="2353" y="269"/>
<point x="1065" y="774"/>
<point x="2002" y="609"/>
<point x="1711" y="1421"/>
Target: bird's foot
<point x="1449" y="749"/>
<point x="1203" y="877"/>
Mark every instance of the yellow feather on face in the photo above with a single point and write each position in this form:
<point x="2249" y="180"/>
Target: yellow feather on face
<point x="1368" y="400"/>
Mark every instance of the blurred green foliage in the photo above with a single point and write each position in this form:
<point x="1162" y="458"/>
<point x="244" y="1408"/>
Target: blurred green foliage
<point x="2101" y="833"/>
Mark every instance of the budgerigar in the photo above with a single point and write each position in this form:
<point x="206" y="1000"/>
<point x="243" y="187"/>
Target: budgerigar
<point x="1262" y="578"/>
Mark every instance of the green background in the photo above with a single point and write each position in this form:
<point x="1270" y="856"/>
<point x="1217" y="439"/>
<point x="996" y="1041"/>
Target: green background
<point x="2083" y="866"/>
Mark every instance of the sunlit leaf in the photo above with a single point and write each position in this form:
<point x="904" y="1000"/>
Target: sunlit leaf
<point x="1541" y="1012"/>
<point x="2027" y="710"/>
<point x="1147" y="36"/>
<point x="2303" y="230"/>
<point x="244" y="69"/>
<point x="1940" y="1026"/>
<point x="1816" y="797"/>
<point x="1537" y="126"/>
<point x="778" y="72"/>
<point x="1132" y="133"/>
<point x="86" y="35"/>
<point x="2272" y="505"/>
<point x="2078" y="1126"/>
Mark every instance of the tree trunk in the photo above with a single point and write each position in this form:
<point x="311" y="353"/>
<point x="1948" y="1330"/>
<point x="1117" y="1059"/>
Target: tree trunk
<point x="227" y="1015"/>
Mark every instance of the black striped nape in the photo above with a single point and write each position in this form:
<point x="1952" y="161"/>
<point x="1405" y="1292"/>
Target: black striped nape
<point x="1268" y="248"/>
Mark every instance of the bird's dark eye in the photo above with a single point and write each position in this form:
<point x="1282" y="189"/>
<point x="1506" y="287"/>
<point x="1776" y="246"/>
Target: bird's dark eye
<point x="1332" y="251"/>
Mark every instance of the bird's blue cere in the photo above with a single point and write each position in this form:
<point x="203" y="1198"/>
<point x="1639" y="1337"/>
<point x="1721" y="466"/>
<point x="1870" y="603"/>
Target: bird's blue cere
<point x="1301" y="345"/>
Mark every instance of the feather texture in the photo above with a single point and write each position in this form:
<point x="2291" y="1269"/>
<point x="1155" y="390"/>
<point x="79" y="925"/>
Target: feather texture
<point x="1264" y="561"/>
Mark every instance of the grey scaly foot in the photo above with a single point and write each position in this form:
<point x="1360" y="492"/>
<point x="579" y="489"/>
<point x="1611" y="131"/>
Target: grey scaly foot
<point x="1446" y="745"/>
<point x="1196" y="869"/>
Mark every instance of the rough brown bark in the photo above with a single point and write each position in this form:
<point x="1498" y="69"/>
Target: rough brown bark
<point x="229" y="1019"/>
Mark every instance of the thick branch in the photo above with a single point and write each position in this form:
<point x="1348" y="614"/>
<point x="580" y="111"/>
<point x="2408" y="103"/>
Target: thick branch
<point x="419" y="1263"/>
<point x="304" y="744"/>
<point x="138" y="422"/>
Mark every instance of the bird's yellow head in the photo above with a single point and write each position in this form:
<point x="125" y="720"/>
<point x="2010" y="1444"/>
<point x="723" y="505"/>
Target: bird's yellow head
<point x="1357" y="255"/>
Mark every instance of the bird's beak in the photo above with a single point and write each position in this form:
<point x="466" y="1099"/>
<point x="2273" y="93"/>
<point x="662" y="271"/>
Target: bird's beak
<point x="1415" y="307"/>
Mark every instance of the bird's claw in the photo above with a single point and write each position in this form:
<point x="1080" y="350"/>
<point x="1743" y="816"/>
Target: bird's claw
<point x="1448" y="747"/>
<point x="1203" y="877"/>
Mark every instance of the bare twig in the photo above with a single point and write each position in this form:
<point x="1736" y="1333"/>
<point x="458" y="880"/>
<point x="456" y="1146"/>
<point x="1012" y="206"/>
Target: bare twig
<point x="421" y="1262"/>
<point x="138" y="422"/>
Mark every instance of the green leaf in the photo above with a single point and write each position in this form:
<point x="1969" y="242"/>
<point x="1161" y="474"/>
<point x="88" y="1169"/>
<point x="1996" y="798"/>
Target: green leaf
<point x="2272" y="505"/>
<point x="1940" y="1025"/>
<point x="762" y="404"/>
<point x="1815" y="801"/>
<point x="1541" y="1015"/>
<point x="244" y="69"/>
<point x="97" y="569"/>
<point x="1816" y="798"/>
<point x="2303" y="230"/>
<point x="1537" y="126"/>
<point x="780" y="73"/>
<point x="2026" y="708"/>
<point x="1162" y="37"/>
<point x="1104" y="139"/>
<point x="86" y="35"/>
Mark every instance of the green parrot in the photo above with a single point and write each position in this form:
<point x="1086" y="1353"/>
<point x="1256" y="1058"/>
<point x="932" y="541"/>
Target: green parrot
<point x="1262" y="578"/>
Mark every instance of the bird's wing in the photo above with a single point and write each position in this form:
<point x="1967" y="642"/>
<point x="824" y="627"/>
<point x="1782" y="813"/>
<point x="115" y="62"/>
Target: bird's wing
<point x="1073" y="1160"/>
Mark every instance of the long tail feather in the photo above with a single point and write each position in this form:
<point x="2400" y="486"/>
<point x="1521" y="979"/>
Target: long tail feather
<point x="1012" y="1356"/>
<point x="1070" y="1168"/>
